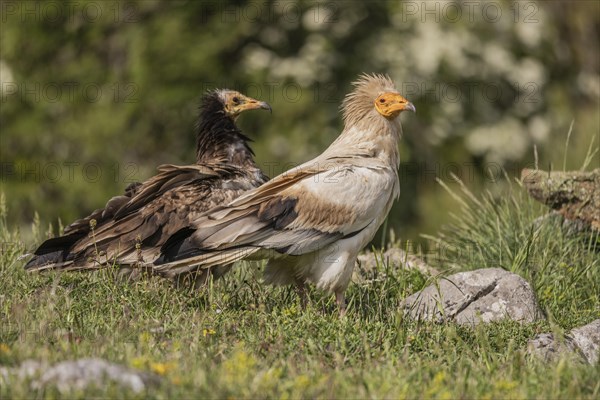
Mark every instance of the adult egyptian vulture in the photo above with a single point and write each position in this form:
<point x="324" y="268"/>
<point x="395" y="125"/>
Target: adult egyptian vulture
<point x="132" y="227"/>
<point x="312" y="221"/>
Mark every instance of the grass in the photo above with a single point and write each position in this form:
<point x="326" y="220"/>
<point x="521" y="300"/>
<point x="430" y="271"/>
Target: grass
<point x="243" y="339"/>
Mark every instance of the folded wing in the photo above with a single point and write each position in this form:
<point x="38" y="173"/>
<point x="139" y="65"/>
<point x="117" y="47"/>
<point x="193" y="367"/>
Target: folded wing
<point x="156" y="209"/>
<point x="296" y="213"/>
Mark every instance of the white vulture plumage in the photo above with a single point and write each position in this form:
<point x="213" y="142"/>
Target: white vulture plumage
<point x="311" y="221"/>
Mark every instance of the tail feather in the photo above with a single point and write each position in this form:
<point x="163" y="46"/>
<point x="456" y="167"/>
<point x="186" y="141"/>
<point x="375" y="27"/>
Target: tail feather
<point x="61" y="265"/>
<point x="176" y="246"/>
<point x="53" y="251"/>
<point x="172" y="269"/>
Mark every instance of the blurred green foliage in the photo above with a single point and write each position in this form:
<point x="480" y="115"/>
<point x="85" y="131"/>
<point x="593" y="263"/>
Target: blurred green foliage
<point x="96" y="94"/>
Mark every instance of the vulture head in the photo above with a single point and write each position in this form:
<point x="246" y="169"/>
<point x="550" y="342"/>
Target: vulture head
<point x="218" y="137"/>
<point x="234" y="103"/>
<point x="374" y="98"/>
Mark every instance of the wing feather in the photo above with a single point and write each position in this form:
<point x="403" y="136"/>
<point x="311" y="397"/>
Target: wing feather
<point x="156" y="210"/>
<point x="295" y="213"/>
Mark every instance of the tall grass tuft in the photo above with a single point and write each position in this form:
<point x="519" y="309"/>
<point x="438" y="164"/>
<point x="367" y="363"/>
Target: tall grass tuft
<point x="518" y="234"/>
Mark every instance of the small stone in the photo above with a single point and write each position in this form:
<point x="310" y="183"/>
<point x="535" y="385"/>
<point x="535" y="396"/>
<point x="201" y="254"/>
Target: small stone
<point x="548" y="348"/>
<point x="587" y="338"/>
<point x="79" y="374"/>
<point x="468" y="298"/>
<point x="582" y="343"/>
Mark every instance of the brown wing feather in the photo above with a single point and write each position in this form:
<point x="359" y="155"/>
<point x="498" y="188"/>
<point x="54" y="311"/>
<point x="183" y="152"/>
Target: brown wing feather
<point x="169" y="177"/>
<point x="156" y="210"/>
<point x="273" y="216"/>
<point x="176" y="198"/>
<point x="102" y="215"/>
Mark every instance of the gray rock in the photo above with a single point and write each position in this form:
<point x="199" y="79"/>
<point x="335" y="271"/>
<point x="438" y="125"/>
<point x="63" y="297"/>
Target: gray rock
<point x="27" y="369"/>
<point x="587" y="339"/>
<point x="468" y="298"/>
<point x="79" y="374"/>
<point x="582" y="343"/>
<point x="548" y="348"/>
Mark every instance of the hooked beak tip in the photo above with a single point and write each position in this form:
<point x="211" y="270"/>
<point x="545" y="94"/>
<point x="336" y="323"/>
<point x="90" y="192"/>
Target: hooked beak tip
<point x="265" y="106"/>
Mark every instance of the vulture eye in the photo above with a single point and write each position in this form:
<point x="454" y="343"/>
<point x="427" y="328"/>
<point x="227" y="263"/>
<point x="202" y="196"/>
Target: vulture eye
<point x="235" y="100"/>
<point x="382" y="101"/>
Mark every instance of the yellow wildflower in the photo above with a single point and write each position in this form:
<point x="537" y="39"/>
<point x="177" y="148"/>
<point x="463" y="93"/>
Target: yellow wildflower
<point x="161" y="368"/>
<point x="206" y="332"/>
<point x="138" y="362"/>
<point x="4" y="348"/>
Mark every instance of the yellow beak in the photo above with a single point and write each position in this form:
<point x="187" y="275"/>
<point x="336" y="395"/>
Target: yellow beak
<point x="248" y="103"/>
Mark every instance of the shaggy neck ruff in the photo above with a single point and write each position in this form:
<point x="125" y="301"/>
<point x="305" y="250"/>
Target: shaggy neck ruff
<point x="218" y="138"/>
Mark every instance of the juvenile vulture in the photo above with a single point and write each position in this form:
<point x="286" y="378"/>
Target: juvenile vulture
<point x="132" y="227"/>
<point x="312" y="221"/>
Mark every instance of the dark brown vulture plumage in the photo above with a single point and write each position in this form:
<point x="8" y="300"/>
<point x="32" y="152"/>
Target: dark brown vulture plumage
<point x="132" y="227"/>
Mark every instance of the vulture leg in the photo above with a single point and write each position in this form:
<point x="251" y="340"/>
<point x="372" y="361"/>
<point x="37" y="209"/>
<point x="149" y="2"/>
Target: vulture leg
<point x="341" y="302"/>
<point x="200" y="278"/>
<point x="194" y="280"/>
<point x="301" y="290"/>
<point x="132" y="273"/>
